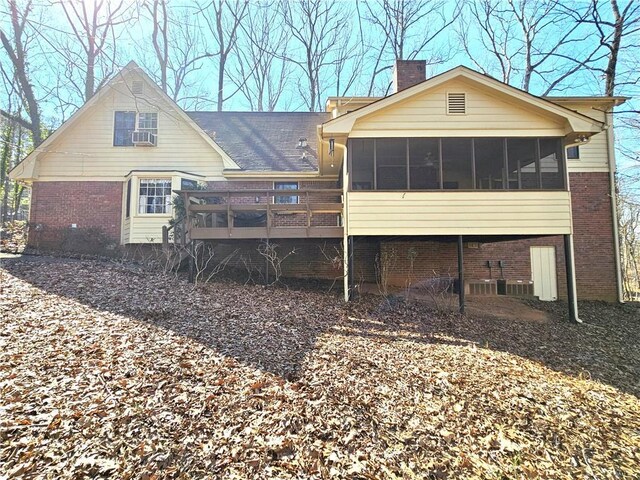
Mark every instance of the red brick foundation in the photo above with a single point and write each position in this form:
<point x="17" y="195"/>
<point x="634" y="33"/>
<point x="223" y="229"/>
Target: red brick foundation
<point x="95" y="208"/>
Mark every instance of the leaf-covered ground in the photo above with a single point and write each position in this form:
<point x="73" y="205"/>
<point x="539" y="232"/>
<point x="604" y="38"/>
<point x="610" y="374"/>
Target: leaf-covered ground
<point x="109" y="371"/>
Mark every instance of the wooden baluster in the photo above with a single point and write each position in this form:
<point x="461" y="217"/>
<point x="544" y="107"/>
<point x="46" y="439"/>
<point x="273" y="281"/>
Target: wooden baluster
<point x="308" y="214"/>
<point x="229" y="215"/>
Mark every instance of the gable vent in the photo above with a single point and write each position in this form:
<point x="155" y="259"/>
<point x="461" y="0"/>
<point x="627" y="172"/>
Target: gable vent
<point x="456" y="103"/>
<point x="136" y="87"/>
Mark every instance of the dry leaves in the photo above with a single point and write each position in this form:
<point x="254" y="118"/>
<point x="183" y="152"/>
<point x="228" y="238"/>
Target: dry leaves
<point x="110" y="371"/>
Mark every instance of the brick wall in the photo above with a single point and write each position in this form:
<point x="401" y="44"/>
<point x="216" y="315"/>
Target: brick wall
<point x="95" y="207"/>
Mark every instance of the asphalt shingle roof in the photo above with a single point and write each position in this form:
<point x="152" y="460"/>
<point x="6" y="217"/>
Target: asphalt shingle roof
<point x="265" y="141"/>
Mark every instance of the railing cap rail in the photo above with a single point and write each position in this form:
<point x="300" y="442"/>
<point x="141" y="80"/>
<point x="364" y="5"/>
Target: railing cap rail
<point x="253" y="191"/>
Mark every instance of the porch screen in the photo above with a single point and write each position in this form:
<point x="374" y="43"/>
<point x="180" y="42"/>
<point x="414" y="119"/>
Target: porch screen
<point x="485" y="163"/>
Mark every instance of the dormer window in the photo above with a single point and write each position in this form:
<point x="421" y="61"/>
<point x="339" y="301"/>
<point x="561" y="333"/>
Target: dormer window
<point x="135" y="129"/>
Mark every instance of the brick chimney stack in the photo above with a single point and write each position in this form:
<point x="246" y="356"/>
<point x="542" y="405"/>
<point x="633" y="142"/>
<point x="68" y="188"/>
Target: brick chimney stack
<point x="407" y="73"/>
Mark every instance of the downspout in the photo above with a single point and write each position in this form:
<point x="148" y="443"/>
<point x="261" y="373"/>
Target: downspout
<point x="614" y="201"/>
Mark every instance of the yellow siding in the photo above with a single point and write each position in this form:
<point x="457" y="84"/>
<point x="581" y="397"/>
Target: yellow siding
<point x="148" y="228"/>
<point x="593" y="155"/>
<point x="487" y="115"/>
<point x="145" y="228"/>
<point x="458" y="213"/>
<point x="86" y="148"/>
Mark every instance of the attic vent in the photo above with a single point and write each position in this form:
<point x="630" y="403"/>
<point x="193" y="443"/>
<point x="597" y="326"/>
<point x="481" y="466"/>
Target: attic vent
<point x="136" y="87"/>
<point x="456" y="103"/>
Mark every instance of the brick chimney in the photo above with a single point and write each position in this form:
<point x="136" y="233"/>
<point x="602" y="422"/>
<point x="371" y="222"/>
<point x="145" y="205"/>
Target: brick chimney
<point x="406" y="73"/>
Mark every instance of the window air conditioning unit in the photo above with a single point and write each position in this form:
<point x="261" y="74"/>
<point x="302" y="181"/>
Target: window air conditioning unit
<point x="143" y="139"/>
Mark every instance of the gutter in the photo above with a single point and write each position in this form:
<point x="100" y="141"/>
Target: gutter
<point x="614" y="202"/>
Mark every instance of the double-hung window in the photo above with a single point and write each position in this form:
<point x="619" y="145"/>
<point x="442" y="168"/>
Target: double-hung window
<point x="154" y="196"/>
<point x="125" y="123"/>
<point x="285" y="198"/>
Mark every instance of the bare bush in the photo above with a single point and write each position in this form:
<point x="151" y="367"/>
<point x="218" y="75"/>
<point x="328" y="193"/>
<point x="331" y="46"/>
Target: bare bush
<point x="437" y="290"/>
<point x="274" y="259"/>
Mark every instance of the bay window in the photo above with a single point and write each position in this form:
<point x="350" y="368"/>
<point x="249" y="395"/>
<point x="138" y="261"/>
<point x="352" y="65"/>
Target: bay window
<point x="154" y="196"/>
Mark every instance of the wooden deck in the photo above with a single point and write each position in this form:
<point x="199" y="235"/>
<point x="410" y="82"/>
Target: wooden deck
<point x="247" y="214"/>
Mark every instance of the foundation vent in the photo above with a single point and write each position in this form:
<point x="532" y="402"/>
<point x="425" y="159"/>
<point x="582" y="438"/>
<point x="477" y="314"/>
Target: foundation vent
<point x="519" y="289"/>
<point x="456" y="103"/>
<point x="481" y="287"/>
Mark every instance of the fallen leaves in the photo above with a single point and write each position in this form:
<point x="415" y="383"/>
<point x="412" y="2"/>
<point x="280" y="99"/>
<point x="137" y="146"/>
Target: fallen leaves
<point x="110" y="371"/>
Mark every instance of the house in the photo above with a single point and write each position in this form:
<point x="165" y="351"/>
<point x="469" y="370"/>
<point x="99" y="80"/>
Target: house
<point x="457" y="173"/>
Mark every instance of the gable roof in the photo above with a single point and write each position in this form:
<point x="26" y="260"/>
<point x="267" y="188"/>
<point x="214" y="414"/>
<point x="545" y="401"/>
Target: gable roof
<point x="579" y="122"/>
<point x="265" y="141"/>
<point x="28" y="163"/>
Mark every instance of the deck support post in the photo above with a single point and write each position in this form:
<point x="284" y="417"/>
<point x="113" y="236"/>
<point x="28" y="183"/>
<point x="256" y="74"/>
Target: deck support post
<point x="266" y="263"/>
<point x="347" y="255"/>
<point x="461" y="301"/>
<point x="192" y="262"/>
<point x="572" y="298"/>
<point x="352" y="290"/>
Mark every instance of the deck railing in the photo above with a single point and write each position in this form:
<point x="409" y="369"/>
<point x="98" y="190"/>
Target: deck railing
<point x="267" y="213"/>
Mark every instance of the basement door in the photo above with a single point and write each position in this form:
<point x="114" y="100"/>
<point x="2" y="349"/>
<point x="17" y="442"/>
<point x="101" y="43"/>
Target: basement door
<point x="543" y="273"/>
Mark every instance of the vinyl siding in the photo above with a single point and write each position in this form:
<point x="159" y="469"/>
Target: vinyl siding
<point x="593" y="155"/>
<point x="487" y="115"/>
<point x="86" y="148"/>
<point x="145" y="228"/>
<point x="459" y="213"/>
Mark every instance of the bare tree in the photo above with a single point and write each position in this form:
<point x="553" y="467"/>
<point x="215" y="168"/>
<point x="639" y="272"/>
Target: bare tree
<point x="318" y="30"/>
<point x="91" y="46"/>
<point x="223" y="19"/>
<point x="261" y="73"/>
<point x="409" y="28"/>
<point x="16" y="45"/>
<point x="531" y="39"/>
<point x="629" y="220"/>
<point x="160" y="37"/>
<point x="613" y="28"/>
<point x="177" y="41"/>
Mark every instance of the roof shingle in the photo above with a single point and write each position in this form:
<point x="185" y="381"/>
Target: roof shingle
<point x="265" y="141"/>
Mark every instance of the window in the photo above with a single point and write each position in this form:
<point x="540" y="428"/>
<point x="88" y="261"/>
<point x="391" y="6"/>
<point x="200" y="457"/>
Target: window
<point x="285" y="198"/>
<point x="573" y="153"/>
<point x="123" y="126"/>
<point x="125" y="123"/>
<point x="127" y="212"/>
<point x="148" y="122"/>
<point x="154" y="196"/>
<point x="186" y="184"/>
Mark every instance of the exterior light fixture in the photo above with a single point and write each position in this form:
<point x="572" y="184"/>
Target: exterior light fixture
<point x="302" y="142"/>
